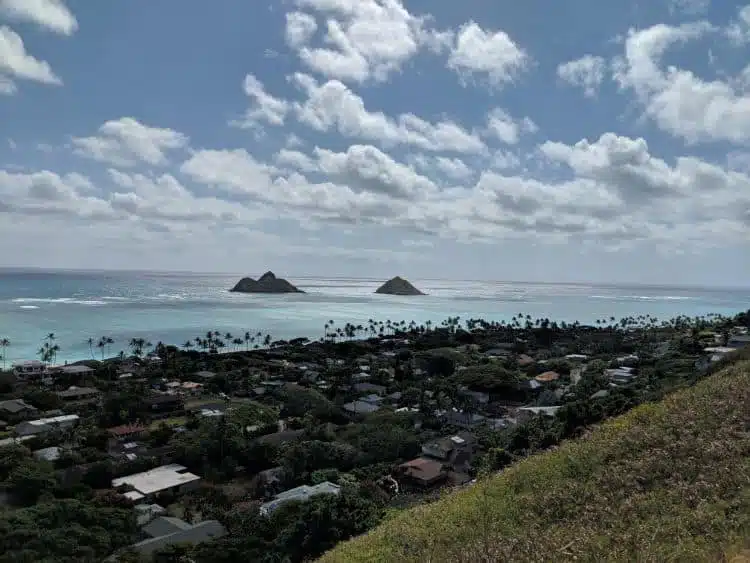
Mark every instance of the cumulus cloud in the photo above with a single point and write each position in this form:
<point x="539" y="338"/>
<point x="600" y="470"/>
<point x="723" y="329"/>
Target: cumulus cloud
<point x="505" y="128"/>
<point x="617" y="192"/>
<point x="264" y="108"/>
<point x="493" y="55"/>
<point x="127" y="142"/>
<point x="586" y="73"/>
<point x="367" y="39"/>
<point x="16" y="63"/>
<point x="52" y="15"/>
<point x="677" y="100"/>
<point x="333" y="106"/>
<point x="300" y="27"/>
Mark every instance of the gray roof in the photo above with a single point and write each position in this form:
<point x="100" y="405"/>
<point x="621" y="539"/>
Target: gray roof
<point x="74" y="392"/>
<point x="77" y="369"/>
<point x="301" y="493"/>
<point x="15" y="406"/>
<point x="164" y="525"/>
<point x="363" y="387"/>
<point x="361" y="407"/>
<point x="205" y="531"/>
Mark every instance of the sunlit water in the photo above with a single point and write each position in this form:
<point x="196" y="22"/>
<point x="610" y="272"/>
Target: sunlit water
<point x="173" y="308"/>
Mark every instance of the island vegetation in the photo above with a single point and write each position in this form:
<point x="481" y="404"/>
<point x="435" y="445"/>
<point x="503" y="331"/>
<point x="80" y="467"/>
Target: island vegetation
<point x="271" y="450"/>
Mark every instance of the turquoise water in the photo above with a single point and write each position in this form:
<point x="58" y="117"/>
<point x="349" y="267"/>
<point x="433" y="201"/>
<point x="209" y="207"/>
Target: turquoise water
<point x="173" y="308"/>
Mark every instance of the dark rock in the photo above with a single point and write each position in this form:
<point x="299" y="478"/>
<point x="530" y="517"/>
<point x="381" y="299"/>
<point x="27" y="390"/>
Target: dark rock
<point x="267" y="283"/>
<point x="398" y="286"/>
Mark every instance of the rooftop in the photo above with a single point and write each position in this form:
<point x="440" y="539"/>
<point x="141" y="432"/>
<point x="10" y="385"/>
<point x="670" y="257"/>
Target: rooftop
<point x="158" y="479"/>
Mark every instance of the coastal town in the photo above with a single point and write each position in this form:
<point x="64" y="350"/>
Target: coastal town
<point x="232" y="448"/>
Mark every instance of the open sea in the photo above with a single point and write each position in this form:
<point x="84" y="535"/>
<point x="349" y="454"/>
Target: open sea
<point x="175" y="307"/>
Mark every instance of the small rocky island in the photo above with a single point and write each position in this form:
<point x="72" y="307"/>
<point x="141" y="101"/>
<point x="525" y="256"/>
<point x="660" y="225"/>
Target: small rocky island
<point x="267" y="283"/>
<point x="398" y="286"/>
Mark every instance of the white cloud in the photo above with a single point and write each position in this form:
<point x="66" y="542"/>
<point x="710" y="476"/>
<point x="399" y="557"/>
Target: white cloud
<point x="265" y="107"/>
<point x="332" y="106"/>
<point x="127" y="142"/>
<point x="586" y="73"/>
<point x="738" y="31"/>
<point x="485" y="53"/>
<point x="617" y="193"/>
<point x="365" y="168"/>
<point x="300" y="28"/>
<point x="163" y="198"/>
<point x="677" y="100"/>
<point x="367" y="39"/>
<point x="49" y="14"/>
<point x="295" y="160"/>
<point x="454" y="168"/>
<point x="16" y="63"/>
<point x="505" y="128"/>
<point x="47" y="193"/>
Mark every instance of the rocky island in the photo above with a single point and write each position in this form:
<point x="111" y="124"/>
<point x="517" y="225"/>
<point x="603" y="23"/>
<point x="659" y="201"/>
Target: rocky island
<point x="267" y="283"/>
<point x="398" y="286"/>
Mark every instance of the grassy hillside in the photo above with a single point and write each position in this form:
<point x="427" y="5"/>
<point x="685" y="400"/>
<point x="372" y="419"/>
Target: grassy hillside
<point x="666" y="482"/>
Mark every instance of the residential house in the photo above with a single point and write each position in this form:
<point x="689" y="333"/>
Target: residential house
<point x="48" y="454"/>
<point x="455" y="450"/>
<point x="148" y="484"/>
<point x="77" y="371"/>
<point x="361" y="407"/>
<point x="526" y="413"/>
<point x="30" y="370"/>
<point x="302" y="493"/>
<point x="127" y="431"/>
<point x="165" y="531"/>
<point x="369" y="388"/>
<point x="423" y="472"/>
<point x="463" y="419"/>
<point x="547" y="377"/>
<point x="738" y="341"/>
<point x="80" y="395"/>
<point x="164" y="404"/>
<point x="16" y="410"/>
<point x="46" y="425"/>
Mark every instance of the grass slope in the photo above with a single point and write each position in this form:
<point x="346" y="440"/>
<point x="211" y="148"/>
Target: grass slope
<point x="666" y="482"/>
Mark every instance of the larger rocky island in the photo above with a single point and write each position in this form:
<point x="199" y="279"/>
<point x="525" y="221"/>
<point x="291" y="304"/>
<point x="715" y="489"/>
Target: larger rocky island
<point x="398" y="286"/>
<point x="267" y="283"/>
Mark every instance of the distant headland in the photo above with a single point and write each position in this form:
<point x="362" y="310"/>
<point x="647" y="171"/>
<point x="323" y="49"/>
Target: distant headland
<point x="398" y="286"/>
<point x="267" y="283"/>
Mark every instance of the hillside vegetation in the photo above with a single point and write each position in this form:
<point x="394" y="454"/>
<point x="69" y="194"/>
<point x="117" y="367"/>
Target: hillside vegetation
<point x="668" y="481"/>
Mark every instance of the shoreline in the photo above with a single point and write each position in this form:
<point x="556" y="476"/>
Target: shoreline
<point x="364" y="334"/>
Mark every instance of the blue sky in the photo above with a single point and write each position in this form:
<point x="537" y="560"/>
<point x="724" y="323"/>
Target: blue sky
<point x="576" y="141"/>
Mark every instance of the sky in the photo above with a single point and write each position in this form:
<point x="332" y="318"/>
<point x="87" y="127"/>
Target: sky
<point x="544" y="141"/>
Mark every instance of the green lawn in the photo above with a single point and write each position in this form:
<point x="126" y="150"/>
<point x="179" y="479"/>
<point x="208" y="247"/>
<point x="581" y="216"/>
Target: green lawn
<point x="666" y="482"/>
<point x="174" y="421"/>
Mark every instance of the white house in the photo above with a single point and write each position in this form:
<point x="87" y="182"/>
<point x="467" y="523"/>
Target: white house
<point x="148" y="483"/>
<point x="30" y="370"/>
<point x="45" y="425"/>
<point x="303" y="493"/>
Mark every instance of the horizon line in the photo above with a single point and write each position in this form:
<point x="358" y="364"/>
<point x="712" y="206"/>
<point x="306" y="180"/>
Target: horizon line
<point x="53" y="270"/>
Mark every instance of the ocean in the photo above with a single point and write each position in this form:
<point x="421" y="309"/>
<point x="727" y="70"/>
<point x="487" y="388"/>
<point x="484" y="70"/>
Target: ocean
<point x="175" y="307"/>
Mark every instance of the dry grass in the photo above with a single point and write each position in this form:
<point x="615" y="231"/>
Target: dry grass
<point x="666" y="482"/>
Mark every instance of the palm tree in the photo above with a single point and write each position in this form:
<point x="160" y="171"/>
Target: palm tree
<point x="4" y="343"/>
<point x="90" y="342"/>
